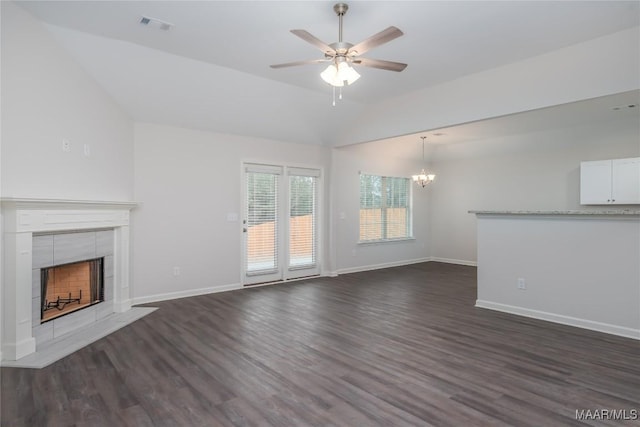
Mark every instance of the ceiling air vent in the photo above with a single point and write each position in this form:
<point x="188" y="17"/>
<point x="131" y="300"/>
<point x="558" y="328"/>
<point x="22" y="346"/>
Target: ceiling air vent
<point x="154" y="22"/>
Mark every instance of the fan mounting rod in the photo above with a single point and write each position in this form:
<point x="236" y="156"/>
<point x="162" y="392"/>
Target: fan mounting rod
<point x="340" y="9"/>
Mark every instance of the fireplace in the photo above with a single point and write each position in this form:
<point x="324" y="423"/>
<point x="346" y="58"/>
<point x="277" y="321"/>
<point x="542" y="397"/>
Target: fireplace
<point x="71" y="287"/>
<point x="41" y="233"/>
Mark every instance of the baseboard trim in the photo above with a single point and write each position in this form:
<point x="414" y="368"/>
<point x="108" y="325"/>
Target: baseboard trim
<point x="559" y="318"/>
<point x="401" y="263"/>
<point x="454" y="261"/>
<point x="184" y="294"/>
<point x="380" y="266"/>
<point x="213" y="289"/>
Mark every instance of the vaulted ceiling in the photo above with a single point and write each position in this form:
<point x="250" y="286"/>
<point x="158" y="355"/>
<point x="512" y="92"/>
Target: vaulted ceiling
<point x="211" y="70"/>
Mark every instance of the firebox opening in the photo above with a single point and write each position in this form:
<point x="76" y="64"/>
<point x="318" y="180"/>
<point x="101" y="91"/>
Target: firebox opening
<point x="70" y="287"/>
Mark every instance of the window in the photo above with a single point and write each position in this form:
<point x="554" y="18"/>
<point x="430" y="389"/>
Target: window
<point x="385" y="208"/>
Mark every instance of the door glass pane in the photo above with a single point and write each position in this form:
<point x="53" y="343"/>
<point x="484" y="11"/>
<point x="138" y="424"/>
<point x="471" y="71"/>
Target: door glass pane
<point x="262" y="223"/>
<point x="302" y="221"/>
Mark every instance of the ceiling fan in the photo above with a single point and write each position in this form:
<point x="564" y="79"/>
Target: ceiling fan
<point x="341" y="54"/>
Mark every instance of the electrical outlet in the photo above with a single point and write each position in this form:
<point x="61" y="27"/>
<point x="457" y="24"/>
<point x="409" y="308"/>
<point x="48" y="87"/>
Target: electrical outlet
<point x="176" y="271"/>
<point x="87" y="150"/>
<point x="66" y="145"/>
<point x="522" y="284"/>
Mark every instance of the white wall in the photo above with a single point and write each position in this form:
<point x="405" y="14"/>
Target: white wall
<point x="598" y="67"/>
<point x="47" y="97"/>
<point x="582" y="271"/>
<point x="187" y="181"/>
<point x="379" y="159"/>
<point x="534" y="171"/>
<point x="1" y="212"/>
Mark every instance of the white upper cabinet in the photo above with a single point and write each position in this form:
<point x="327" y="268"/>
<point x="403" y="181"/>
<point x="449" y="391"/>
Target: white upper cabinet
<point x="595" y="182"/>
<point x="610" y="182"/>
<point x="625" y="184"/>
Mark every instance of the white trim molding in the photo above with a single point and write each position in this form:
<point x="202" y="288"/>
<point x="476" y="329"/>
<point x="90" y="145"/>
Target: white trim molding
<point x="399" y="264"/>
<point x="559" y="318"/>
<point x="184" y="294"/>
<point x="454" y="261"/>
<point x="24" y="217"/>
<point x="380" y="266"/>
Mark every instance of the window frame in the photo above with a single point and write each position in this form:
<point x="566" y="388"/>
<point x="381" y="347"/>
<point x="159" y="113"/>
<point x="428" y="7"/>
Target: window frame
<point x="384" y="207"/>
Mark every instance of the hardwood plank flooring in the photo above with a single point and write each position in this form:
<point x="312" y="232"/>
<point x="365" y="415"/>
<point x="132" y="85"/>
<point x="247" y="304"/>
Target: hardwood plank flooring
<point x="402" y="346"/>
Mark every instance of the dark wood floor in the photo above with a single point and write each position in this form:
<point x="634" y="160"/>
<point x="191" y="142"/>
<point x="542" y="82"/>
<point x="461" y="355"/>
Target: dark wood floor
<point x="396" y="347"/>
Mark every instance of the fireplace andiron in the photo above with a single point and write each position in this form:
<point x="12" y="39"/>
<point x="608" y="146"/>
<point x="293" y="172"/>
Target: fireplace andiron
<point x="60" y="303"/>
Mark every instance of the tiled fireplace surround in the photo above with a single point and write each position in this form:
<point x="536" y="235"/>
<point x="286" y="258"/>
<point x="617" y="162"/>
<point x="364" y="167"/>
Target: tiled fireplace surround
<point x="41" y="233"/>
<point x="56" y="249"/>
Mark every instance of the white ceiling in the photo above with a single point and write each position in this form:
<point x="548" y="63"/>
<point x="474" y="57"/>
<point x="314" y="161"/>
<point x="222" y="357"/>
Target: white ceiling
<point x="211" y="71"/>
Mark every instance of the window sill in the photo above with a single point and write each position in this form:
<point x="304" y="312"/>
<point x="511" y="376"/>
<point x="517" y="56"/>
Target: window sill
<point x="385" y="241"/>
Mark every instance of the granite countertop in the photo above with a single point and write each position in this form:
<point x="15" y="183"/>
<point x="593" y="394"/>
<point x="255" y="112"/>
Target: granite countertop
<point x="620" y="212"/>
<point x="22" y="202"/>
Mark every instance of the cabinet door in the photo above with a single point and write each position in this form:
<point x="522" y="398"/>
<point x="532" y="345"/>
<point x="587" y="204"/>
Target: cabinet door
<point x="595" y="182"/>
<point x="626" y="181"/>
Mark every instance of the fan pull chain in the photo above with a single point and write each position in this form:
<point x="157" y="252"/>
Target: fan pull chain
<point x="334" y="95"/>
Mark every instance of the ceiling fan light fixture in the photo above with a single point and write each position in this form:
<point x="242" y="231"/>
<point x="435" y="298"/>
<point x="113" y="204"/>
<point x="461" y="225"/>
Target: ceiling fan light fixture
<point x="342" y="55"/>
<point x="330" y="75"/>
<point x="347" y="74"/>
<point x="340" y="75"/>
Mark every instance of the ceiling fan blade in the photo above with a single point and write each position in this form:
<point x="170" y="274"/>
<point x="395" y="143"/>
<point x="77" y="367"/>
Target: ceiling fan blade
<point x="379" y="63"/>
<point x="310" y="38"/>
<point x="296" y="63"/>
<point x="382" y="37"/>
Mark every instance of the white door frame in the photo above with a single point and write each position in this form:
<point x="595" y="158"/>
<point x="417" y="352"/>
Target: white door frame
<point x="284" y="205"/>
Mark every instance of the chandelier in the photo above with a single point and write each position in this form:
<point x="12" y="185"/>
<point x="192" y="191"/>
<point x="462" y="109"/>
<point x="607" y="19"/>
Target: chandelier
<point x="423" y="178"/>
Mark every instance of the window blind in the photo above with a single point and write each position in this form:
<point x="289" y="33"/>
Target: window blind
<point x="385" y="211"/>
<point x="262" y="221"/>
<point x="303" y="241"/>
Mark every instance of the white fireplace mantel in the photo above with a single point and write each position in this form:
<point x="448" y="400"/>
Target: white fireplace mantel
<point x="24" y="217"/>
